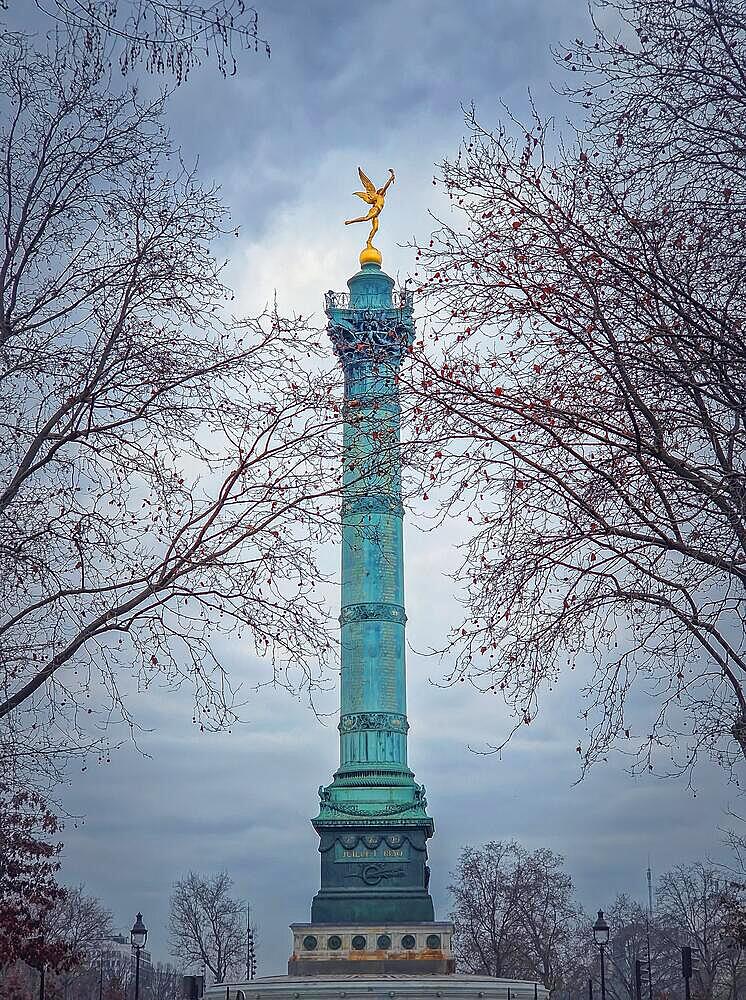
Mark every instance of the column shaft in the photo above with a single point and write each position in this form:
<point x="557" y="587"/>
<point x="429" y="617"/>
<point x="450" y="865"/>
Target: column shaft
<point x="373" y="721"/>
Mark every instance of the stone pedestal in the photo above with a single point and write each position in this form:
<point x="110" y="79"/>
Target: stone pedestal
<point x="369" y="949"/>
<point x="372" y="875"/>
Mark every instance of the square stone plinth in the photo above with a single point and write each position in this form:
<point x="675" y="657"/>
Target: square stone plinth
<point x="331" y="949"/>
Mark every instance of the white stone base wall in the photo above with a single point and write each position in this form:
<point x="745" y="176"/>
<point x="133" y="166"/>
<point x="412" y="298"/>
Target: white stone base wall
<point x="326" y="942"/>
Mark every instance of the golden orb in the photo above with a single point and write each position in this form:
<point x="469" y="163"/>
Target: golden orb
<point x="369" y="255"/>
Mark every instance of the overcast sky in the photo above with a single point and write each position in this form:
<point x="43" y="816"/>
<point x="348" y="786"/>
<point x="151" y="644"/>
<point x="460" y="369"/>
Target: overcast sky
<point x="378" y="84"/>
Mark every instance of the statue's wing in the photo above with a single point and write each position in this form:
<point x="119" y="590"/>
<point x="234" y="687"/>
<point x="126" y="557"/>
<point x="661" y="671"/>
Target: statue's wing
<point x="364" y="195"/>
<point x="367" y="183"/>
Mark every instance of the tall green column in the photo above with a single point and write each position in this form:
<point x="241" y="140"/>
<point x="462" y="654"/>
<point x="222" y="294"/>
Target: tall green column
<point x="373" y="716"/>
<point x="373" y="820"/>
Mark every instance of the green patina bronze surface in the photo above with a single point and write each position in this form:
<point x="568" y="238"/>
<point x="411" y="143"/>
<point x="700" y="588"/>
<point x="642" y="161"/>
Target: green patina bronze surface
<point x="373" y="820"/>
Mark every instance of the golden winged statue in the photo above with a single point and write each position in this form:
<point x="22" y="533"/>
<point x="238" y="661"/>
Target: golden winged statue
<point x="375" y="197"/>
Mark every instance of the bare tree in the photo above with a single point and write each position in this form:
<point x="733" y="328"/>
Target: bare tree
<point x="517" y="916"/>
<point x="584" y="391"/>
<point x="485" y="909"/>
<point x="164" y="469"/>
<point x="515" y="913"/>
<point x="81" y="922"/>
<point x="733" y="873"/>
<point x="166" y="982"/>
<point x="117" y="987"/>
<point x="164" y="36"/>
<point x="205" y="925"/>
<point x="550" y="917"/>
<point x="694" y="898"/>
<point x="633" y="930"/>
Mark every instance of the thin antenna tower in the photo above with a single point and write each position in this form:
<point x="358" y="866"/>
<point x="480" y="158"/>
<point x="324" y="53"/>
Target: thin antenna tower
<point x="648" y="917"/>
<point x="248" y="940"/>
<point x="250" y="949"/>
<point x="650" y="889"/>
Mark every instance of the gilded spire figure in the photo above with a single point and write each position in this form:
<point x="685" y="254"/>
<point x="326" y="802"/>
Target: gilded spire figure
<point x="375" y="197"/>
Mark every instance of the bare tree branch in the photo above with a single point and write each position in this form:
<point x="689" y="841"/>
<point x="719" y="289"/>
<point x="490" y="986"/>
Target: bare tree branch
<point x="164" y="466"/>
<point x="582" y="396"/>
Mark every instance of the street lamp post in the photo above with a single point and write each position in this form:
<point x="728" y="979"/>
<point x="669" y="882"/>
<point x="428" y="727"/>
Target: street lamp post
<point x="601" y="937"/>
<point x="138" y="937"/>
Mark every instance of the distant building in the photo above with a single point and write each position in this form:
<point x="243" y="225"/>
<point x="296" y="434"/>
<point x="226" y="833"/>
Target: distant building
<point x="115" y="958"/>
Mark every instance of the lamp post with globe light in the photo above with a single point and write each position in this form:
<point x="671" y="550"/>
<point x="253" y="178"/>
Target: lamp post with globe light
<point x="138" y="937"/>
<point x="601" y="937"/>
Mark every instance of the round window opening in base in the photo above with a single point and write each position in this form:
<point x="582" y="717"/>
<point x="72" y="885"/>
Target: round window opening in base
<point x="408" y="942"/>
<point x="310" y="943"/>
<point x="334" y="943"/>
<point x="359" y="942"/>
<point x="384" y="941"/>
<point x="433" y="941"/>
